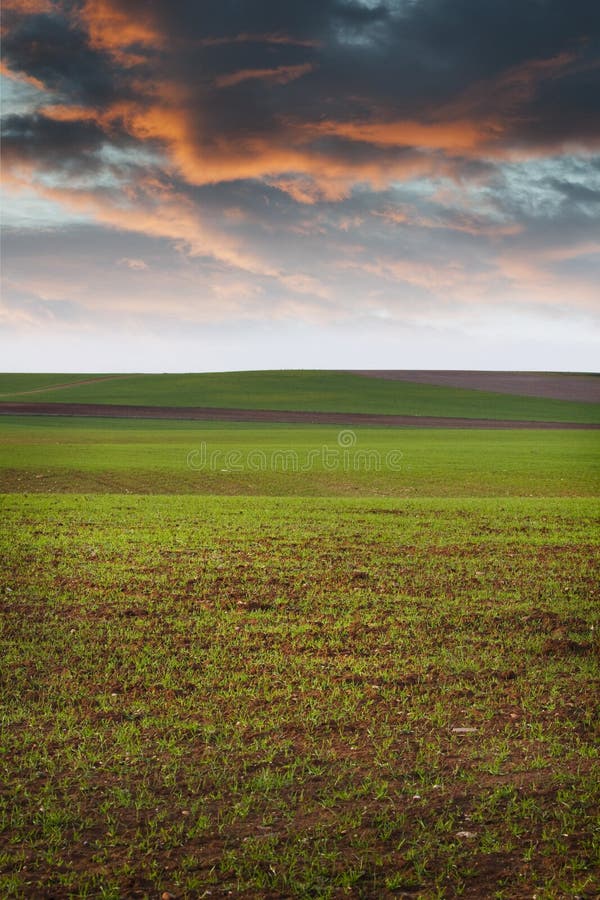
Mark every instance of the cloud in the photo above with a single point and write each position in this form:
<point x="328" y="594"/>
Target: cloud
<point x="22" y="77"/>
<point x="256" y="39"/>
<point x="28" y="7"/>
<point x="472" y="224"/>
<point x="112" y="28"/>
<point x="329" y="155"/>
<point x="39" y="142"/>
<point x="457" y="136"/>
<point x="198" y="85"/>
<point x="52" y="49"/>
<point x="135" y="264"/>
<point x="279" y="75"/>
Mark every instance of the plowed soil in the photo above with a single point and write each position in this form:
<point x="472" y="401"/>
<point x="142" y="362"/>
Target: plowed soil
<point x="552" y="385"/>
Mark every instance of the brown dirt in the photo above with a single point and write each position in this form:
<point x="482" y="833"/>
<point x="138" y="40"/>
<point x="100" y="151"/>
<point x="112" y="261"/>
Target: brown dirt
<point x="552" y="385"/>
<point x="220" y="414"/>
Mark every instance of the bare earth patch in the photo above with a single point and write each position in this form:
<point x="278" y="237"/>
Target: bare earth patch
<point x="551" y="385"/>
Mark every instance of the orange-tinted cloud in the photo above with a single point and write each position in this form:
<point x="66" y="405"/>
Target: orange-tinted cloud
<point x="113" y="29"/>
<point x="28" y="7"/>
<point x="511" y="95"/>
<point x="310" y="153"/>
<point x="454" y="221"/>
<point x="572" y="251"/>
<point x="532" y="277"/>
<point x="318" y="175"/>
<point x="509" y="89"/>
<point x="280" y="75"/>
<point x="59" y="112"/>
<point x="152" y="210"/>
<point x="291" y="158"/>
<point x="457" y="136"/>
<point x="156" y="210"/>
<point x="450" y="280"/>
<point x="21" y="76"/>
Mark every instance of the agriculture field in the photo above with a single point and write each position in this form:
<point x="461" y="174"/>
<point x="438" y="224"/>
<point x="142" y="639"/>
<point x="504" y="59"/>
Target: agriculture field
<point x="279" y="697"/>
<point x="309" y="391"/>
<point x="90" y="455"/>
<point x="275" y="661"/>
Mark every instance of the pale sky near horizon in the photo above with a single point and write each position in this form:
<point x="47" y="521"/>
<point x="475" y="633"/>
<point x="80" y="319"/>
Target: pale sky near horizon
<point x="310" y="184"/>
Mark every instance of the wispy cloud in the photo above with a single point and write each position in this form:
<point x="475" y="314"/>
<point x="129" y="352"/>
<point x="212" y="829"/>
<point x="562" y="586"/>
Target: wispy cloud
<point x="279" y="75"/>
<point x="135" y="264"/>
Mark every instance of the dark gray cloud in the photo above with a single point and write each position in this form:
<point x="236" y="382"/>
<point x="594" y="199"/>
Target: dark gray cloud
<point x="53" y="49"/>
<point x="574" y="193"/>
<point x="528" y="66"/>
<point x="52" y="144"/>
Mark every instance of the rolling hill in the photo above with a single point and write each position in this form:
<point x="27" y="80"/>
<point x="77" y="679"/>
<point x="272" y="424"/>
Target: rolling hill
<point x="302" y="391"/>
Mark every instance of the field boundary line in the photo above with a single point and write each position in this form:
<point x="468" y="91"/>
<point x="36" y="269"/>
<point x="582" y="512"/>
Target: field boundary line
<point x="227" y="414"/>
<point x="67" y="384"/>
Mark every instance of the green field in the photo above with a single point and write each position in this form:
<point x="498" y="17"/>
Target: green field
<point x="260" y="696"/>
<point x="25" y="382"/>
<point x="119" y="455"/>
<point x="273" y="673"/>
<point x="312" y="391"/>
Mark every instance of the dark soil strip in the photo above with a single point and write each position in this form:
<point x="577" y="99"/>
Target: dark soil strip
<point x="552" y="385"/>
<point x="203" y="413"/>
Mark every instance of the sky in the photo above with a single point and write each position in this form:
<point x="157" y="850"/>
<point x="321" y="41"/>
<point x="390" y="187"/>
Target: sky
<point x="210" y="186"/>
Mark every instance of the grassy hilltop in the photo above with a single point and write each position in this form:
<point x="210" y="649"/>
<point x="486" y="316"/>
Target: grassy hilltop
<point x="311" y="391"/>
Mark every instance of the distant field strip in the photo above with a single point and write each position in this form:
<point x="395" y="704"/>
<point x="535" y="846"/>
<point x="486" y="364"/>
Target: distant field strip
<point x="87" y="455"/>
<point x="208" y="413"/>
<point x="303" y="391"/>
